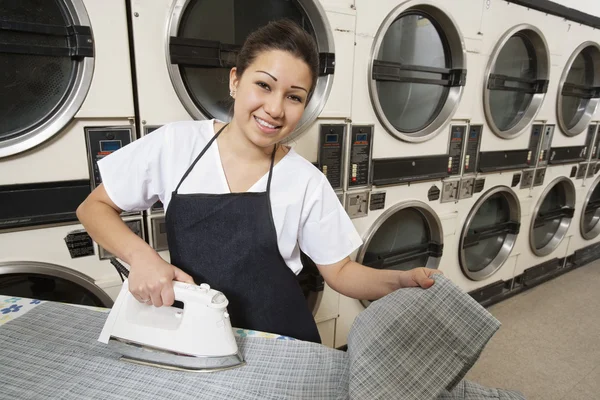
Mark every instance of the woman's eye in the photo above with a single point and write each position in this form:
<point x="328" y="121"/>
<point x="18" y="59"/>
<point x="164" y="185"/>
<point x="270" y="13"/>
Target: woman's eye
<point x="263" y="85"/>
<point x="296" y="98"/>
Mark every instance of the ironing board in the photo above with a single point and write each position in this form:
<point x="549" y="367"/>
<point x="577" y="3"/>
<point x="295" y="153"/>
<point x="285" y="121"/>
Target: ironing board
<point x="50" y="350"/>
<point x="13" y="307"/>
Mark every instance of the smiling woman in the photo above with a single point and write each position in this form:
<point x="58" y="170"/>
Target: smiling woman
<point x="240" y="207"/>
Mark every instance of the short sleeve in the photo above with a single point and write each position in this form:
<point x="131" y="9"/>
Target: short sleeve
<point x="133" y="176"/>
<point x="327" y="234"/>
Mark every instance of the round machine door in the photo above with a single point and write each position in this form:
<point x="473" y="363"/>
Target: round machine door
<point x="206" y="36"/>
<point x="417" y="72"/>
<point x="552" y="216"/>
<point x="578" y="89"/>
<point x="311" y="282"/>
<point x="46" y="58"/>
<point x="517" y="80"/>
<point x="590" y="215"/>
<point x="406" y="236"/>
<point x="489" y="233"/>
<point x="50" y="282"/>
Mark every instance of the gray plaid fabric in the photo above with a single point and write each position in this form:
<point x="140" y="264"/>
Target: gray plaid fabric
<point x="414" y="343"/>
<point x="425" y="341"/>
<point x="52" y="352"/>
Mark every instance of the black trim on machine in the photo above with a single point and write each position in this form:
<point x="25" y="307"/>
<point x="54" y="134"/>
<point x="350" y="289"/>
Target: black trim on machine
<point x="27" y="205"/>
<point x="411" y="169"/>
<point x="79" y="40"/>
<point x="505" y="160"/>
<point x="553" y="8"/>
<point x="566" y="155"/>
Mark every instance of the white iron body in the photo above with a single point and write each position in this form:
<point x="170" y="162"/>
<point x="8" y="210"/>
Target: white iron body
<point x="198" y="337"/>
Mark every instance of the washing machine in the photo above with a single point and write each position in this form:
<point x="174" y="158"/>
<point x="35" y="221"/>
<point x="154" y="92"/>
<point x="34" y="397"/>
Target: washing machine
<point x="483" y="252"/>
<point x="584" y="244"/>
<point x="184" y="50"/>
<point x="558" y="186"/>
<point x="66" y="83"/>
<point x="402" y="227"/>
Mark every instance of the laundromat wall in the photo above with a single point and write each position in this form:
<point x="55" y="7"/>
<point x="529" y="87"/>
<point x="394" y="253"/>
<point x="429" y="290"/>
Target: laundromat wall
<point x="459" y="135"/>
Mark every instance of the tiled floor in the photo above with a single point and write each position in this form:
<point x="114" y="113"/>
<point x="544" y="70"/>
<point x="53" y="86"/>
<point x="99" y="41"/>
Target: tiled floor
<point x="549" y="344"/>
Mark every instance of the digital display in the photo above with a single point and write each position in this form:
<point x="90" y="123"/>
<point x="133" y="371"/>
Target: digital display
<point x="474" y="133"/>
<point x="457" y="135"/>
<point x="331" y="138"/>
<point x="110" y="145"/>
<point x="361" y="138"/>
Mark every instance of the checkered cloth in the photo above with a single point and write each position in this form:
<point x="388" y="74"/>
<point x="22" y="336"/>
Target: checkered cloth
<point x="417" y="344"/>
<point x="423" y="342"/>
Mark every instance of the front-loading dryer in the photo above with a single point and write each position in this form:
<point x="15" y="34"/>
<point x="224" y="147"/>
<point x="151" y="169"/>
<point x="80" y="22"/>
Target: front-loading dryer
<point x="402" y="227"/>
<point x="184" y="50"/>
<point x="584" y="243"/>
<point x="65" y="85"/>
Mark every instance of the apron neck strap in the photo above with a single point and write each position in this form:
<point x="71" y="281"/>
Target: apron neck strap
<point x="271" y="169"/>
<point x="199" y="156"/>
<point x="210" y="142"/>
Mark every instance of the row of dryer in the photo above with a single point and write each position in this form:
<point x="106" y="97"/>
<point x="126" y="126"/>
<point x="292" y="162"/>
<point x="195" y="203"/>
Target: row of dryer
<point x="453" y="132"/>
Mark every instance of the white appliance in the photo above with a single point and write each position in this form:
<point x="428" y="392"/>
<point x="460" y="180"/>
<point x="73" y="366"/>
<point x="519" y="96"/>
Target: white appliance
<point x="410" y="112"/>
<point x="402" y="227"/>
<point x="583" y="243"/>
<point x="67" y="70"/>
<point x="197" y="337"/>
<point x="412" y="74"/>
<point x="487" y="230"/>
<point x="184" y="50"/>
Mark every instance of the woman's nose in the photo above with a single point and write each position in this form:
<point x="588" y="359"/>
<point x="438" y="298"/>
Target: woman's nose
<point x="274" y="106"/>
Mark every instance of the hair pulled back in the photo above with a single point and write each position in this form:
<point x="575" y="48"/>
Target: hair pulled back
<point x="284" y="35"/>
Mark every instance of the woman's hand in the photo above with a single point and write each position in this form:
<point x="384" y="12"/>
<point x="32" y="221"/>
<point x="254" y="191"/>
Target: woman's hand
<point x="150" y="280"/>
<point x="418" y="277"/>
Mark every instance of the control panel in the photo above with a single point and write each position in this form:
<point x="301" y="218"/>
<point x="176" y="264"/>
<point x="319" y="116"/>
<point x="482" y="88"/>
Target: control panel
<point x="360" y="155"/>
<point x="331" y="153"/>
<point x="455" y="148"/>
<point x="158" y="228"/>
<point x="471" y="153"/>
<point x="450" y="191"/>
<point x="102" y="141"/>
<point x="596" y="148"/>
<point x="590" y="141"/>
<point x="136" y="227"/>
<point x="535" y="144"/>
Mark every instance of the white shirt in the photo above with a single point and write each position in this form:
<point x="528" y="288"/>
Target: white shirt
<point x="306" y="211"/>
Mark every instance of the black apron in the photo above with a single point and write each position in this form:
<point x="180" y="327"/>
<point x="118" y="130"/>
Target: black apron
<point x="229" y="241"/>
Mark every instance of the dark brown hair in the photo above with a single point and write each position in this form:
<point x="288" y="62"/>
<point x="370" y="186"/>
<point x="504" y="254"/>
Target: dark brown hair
<point x="285" y="35"/>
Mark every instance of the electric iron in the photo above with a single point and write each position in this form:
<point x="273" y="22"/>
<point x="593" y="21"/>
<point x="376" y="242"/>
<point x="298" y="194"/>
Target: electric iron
<point x="197" y="338"/>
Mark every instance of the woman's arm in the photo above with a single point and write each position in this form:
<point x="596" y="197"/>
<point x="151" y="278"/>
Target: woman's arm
<point x="359" y="282"/>
<point x="150" y="276"/>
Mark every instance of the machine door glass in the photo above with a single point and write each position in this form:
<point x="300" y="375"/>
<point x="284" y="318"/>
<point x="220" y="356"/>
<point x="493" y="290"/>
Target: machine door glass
<point x="206" y="37"/>
<point x="46" y="55"/>
<point x="489" y="233"/>
<point x="408" y="238"/>
<point x="417" y="73"/>
<point x="517" y="82"/>
<point x="47" y="287"/>
<point x="579" y="91"/>
<point x="590" y="228"/>
<point x="553" y="216"/>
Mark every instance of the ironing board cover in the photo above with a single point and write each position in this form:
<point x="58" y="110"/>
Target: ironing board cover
<point x="52" y="352"/>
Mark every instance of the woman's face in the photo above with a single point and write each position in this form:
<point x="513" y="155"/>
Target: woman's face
<point x="270" y="96"/>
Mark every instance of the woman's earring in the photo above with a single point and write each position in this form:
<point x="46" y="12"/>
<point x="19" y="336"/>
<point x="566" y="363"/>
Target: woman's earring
<point x="232" y="93"/>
